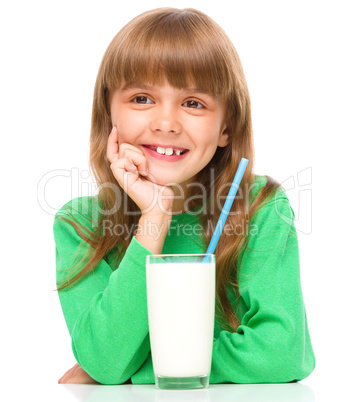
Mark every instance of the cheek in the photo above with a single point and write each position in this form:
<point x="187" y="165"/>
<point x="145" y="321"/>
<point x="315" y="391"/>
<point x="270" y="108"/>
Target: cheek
<point x="209" y="137"/>
<point x="124" y="117"/>
<point x="128" y="128"/>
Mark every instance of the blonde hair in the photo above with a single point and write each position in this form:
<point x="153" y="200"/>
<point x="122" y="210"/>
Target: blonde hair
<point x="182" y="46"/>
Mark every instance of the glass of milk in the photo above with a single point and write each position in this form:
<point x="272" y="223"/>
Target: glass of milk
<point x="181" y="309"/>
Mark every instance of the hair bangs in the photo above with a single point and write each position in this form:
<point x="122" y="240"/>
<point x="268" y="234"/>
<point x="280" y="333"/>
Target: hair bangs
<point x="182" y="50"/>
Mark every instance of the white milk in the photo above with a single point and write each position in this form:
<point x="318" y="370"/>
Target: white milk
<point x="181" y="308"/>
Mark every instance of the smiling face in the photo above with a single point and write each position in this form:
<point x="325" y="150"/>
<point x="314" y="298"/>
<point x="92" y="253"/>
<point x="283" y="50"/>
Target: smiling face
<point x="149" y="116"/>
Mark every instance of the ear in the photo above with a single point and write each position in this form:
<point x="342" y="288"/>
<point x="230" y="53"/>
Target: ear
<point x="223" y="138"/>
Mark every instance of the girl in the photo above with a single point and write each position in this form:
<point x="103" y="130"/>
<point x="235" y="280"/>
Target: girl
<point x="171" y="120"/>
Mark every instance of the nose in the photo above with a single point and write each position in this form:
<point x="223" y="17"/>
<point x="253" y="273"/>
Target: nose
<point x="165" y="119"/>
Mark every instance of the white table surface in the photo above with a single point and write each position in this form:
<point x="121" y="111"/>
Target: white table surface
<point x="215" y="393"/>
<point x="36" y="389"/>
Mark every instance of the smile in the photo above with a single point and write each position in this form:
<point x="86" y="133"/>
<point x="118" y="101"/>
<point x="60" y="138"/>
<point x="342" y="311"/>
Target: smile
<point x="166" y="154"/>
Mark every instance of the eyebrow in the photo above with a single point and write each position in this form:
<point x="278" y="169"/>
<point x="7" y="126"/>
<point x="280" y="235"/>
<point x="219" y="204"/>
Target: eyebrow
<point x="186" y="90"/>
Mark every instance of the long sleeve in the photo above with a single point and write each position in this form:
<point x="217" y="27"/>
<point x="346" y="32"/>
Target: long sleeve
<point x="272" y="344"/>
<point x="106" y="311"/>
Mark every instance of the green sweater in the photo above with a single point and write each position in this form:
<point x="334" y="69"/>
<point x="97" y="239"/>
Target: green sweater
<point x="106" y="312"/>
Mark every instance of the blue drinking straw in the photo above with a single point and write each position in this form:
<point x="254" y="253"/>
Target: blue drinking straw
<point x="226" y="209"/>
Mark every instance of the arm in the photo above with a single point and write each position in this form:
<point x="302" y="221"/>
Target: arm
<point x="106" y="312"/>
<point x="272" y="344"/>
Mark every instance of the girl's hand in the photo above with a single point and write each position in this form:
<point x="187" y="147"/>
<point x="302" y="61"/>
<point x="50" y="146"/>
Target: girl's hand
<point x="76" y="375"/>
<point x="129" y="166"/>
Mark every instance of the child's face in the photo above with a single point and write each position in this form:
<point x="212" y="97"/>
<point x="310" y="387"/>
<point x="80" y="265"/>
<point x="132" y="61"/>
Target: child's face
<point x="155" y="116"/>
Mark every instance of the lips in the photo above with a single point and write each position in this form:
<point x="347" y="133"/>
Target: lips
<point x="170" y="157"/>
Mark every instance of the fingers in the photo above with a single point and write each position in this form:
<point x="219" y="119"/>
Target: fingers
<point x="68" y="375"/>
<point x="62" y="380"/>
<point x="125" y="172"/>
<point x="112" y="145"/>
<point x="82" y="379"/>
<point x="135" y="156"/>
<point x="76" y="375"/>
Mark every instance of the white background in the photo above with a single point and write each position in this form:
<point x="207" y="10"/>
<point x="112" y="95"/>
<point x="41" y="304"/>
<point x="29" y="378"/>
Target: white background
<point x="294" y="55"/>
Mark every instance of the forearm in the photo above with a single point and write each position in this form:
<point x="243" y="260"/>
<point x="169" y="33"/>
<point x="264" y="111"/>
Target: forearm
<point x="106" y="312"/>
<point x="110" y="337"/>
<point x="152" y="231"/>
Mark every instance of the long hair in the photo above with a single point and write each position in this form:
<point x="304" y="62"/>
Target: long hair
<point x="181" y="46"/>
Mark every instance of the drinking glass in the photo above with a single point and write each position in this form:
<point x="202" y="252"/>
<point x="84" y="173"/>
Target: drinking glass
<point x="181" y="309"/>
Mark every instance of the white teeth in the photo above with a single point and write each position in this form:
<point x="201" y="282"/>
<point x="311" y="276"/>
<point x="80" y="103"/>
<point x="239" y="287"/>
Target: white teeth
<point x="161" y="150"/>
<point x="168" y="151"/>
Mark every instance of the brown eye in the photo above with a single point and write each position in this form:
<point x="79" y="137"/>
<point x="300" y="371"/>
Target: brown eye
<point x="141" y="99"/>
<point x="193" y="104"/>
